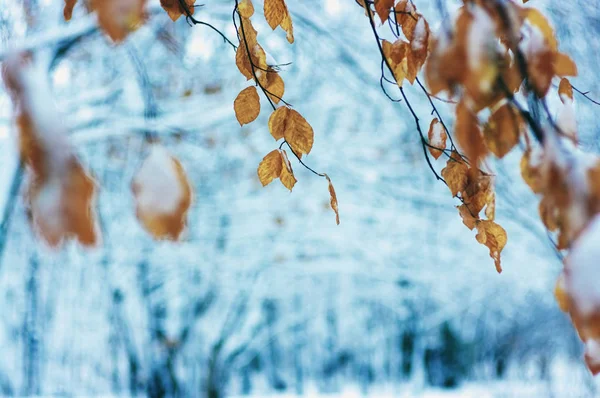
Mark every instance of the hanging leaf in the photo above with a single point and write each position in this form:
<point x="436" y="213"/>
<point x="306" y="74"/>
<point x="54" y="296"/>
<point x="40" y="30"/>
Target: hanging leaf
<point x="455" y="174"/>
<point x="383" y="8"/>
<point x="118" y="18"/>
<point x="275" y="11"/>
<point x="564" y="65"/>
<point x="298" y="133"/>
<point x="68" y="11"/>
<point x="494" y="237"/>
<point x="163" y="194"/>
<point x="176" y="9"/>
<point x="287" y="174"/>
<point x="503" y="130"/>
<point x="247" y="105"/>
<point x="468" y="219"/>
<point x="289" y="124"/>
<point x="333" y="200"/>
<point x="565" y="90"/>
<point x="277" y="14"/>
<point x="278" y="122"/>
<point x="246" y="8"/>
<point x="275" y="86"/>
<point x="270" y="167"/>
<point x="468" y="134"/>
<point x="437" y="138"/>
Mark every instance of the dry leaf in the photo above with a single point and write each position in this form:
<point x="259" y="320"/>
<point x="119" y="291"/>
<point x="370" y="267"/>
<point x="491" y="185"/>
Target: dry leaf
<point x="247" y="105"/>
<point x="68" y="11"/>
<point x="275" y="86"/>
<point x="270" y="167"/>
<point x="437" y="138"/>
<point x="468" y="135"/>
<point x="383" y="8"/>
<point x="456" y="174"/>
<point x="246" y="8"/>
<point x="278" y="122"/>
<point x="287" y="174"/>
<point x="503" y="130"/>
<point x="277" y="14"/>
<point x="298" y="133"/>
<point x="118" y="18"/>
<point x="163" y="194"/>
<point x="175" y="9"/>
<point x="333" y="200"/>
<point x="565" y="90"/>
<point x="494" y="237"/>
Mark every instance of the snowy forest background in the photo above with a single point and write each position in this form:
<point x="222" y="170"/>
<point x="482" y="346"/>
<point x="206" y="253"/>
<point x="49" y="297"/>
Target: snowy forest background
<point x="265" y="294"/>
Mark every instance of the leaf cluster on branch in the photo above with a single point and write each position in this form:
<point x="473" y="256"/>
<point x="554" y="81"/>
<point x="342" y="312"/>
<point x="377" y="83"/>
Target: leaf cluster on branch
<point x="493" y="57"/>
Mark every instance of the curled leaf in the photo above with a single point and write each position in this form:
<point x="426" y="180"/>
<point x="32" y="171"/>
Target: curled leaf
<point x="177" y="8"/>
<point x="333" y="200"/>
<point x="494" y="237"/>
<point x="456" y="174"/>
<point x="287" y="177"/>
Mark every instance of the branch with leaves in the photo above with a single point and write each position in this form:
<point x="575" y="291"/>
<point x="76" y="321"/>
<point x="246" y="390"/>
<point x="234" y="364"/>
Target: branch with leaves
<point x="491" y="59"/>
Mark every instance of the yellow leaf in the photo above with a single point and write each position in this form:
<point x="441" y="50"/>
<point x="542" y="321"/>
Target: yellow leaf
<point x="275" y="86"/>
<point x="333" y="200"/>
<point x="246" y="8"/>
<point x="278" y="122"/>
<point x="287" y="174"/>
<point x="565" y="90"/>
<point x="247" y="105"/>
<point x="456" y="174"/>
<point x="494" y="237"/>
<point x="68" y="12"/>
<point x="564" y="65"/>
<point x="175" y="8"/>
<point x="298" y="133"/>
<point x="271" y="167"/>
<point x="275" y="11"/>
<point x="242" y="61"/>
<point x="503" y="130"/>
<point x="437" y="138"/>
<point x="537" y="19"/>
<point x="288" y="27"/>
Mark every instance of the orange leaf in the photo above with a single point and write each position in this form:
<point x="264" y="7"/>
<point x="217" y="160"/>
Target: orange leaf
<point x="175" y="9"/>
<point x="565" y="90"/>
<point x="275" y="86"/>
<point x="456" y="174"/>
<point x="333" y="200"/>
<point x="494" y="237"/>
<point x="163" y="194"/>
<point x="68" y="11"/>
<point x="270" y="167"/>
<point x="287" y="174"/>
<point x="503" y="130"/>
<point x="247" y="105"/>
<point x="437" y="138"/>
<point x="468" y="134"/>
<point x="246" y="8"/>
<point x="564" y="65"/>
<point x="382" y="8"/>
<point x="118" y="18"/>
<point x="298" y="133"/>
<point x="278" y="122"/>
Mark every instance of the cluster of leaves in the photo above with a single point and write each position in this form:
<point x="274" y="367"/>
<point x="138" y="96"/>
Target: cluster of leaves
<point x="487" y="60"/>
<point x="61" y="194"/>
<point x="285" y="123"/>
